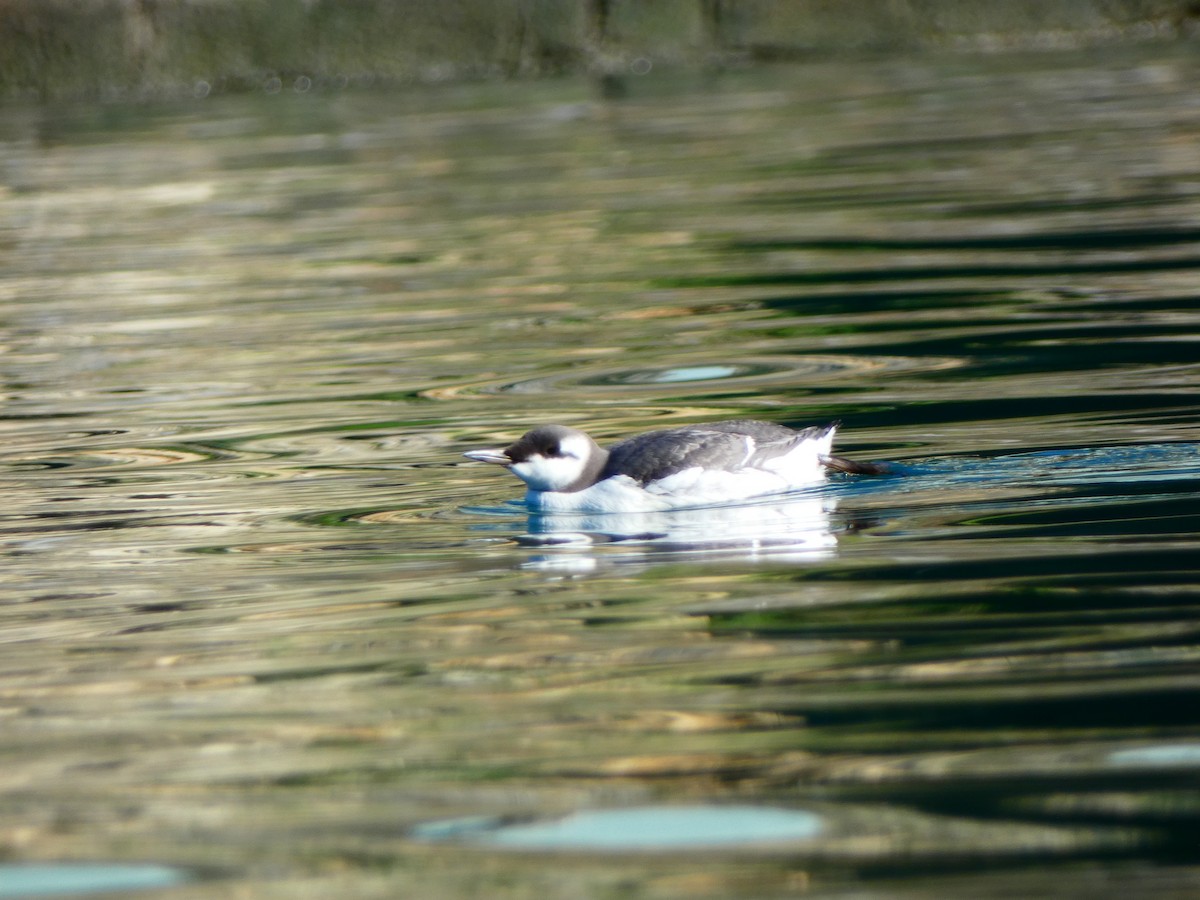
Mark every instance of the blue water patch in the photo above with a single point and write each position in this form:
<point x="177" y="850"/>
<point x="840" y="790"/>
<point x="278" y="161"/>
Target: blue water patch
<point x="637" y="828"/>
<point x="46" y="879"/>
<point x="1158" y="755"/>
<point x="682" y="374"/>
<point x="1101" y="469"/>
<point x="693" y="373"/>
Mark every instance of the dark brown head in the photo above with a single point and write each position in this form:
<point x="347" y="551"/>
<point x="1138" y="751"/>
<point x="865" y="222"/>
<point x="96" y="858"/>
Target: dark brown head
<point x="550" y="458"/>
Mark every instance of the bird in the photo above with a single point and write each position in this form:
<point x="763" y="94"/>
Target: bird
<point x="566" y="471"/>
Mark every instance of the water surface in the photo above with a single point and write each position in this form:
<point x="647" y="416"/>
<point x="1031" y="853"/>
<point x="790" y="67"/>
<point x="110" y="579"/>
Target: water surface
<point x="262" y="622"/>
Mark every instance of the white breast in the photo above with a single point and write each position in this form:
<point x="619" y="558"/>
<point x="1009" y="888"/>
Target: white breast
<point x="612" y="495"/>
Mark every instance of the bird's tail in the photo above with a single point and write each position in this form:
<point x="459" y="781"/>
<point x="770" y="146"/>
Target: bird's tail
<point x="851" y="467"/>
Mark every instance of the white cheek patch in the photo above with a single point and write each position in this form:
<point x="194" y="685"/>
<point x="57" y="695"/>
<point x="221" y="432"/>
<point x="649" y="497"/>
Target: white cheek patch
<point x="576" y="445"/>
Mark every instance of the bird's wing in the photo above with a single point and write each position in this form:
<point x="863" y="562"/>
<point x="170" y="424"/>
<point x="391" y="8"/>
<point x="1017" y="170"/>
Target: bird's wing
<point x="658" y="454"/>
<point x="772" y="441"/>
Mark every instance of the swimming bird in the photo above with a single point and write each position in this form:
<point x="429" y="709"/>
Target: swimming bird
<point x="696" y="465"/>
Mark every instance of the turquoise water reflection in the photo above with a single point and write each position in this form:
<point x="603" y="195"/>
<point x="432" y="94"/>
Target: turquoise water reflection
<point x="641" y="829"/>
<point x="82" y="879"/>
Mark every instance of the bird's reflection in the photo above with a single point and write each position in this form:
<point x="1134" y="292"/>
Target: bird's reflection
<point x="796" y="527"/>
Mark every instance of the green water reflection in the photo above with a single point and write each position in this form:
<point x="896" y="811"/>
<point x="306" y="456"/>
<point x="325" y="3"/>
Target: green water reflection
<point x="260" y="620"/>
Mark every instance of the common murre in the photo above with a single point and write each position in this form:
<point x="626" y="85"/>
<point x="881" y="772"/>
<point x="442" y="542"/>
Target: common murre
<point x="696" y="465"/>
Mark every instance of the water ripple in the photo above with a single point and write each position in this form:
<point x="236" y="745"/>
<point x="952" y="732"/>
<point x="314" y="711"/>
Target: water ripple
<point x="757" y="374"/>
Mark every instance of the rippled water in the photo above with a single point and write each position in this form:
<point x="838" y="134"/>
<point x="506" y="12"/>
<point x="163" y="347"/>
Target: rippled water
<point x="263" y="623"/>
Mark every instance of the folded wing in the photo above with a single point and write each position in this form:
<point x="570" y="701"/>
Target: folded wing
<point x="722" y="446"/>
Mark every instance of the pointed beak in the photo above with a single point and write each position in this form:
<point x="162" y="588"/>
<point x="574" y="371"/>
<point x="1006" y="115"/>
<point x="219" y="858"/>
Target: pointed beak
<point x="495" y="457"/>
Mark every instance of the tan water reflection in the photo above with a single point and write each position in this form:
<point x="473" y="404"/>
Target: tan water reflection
<point x="259" y="620"/>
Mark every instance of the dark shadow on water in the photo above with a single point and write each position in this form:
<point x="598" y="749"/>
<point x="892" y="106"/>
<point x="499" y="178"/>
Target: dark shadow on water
<point x="1108" y="239"/>
<point x="929" y="273"/>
